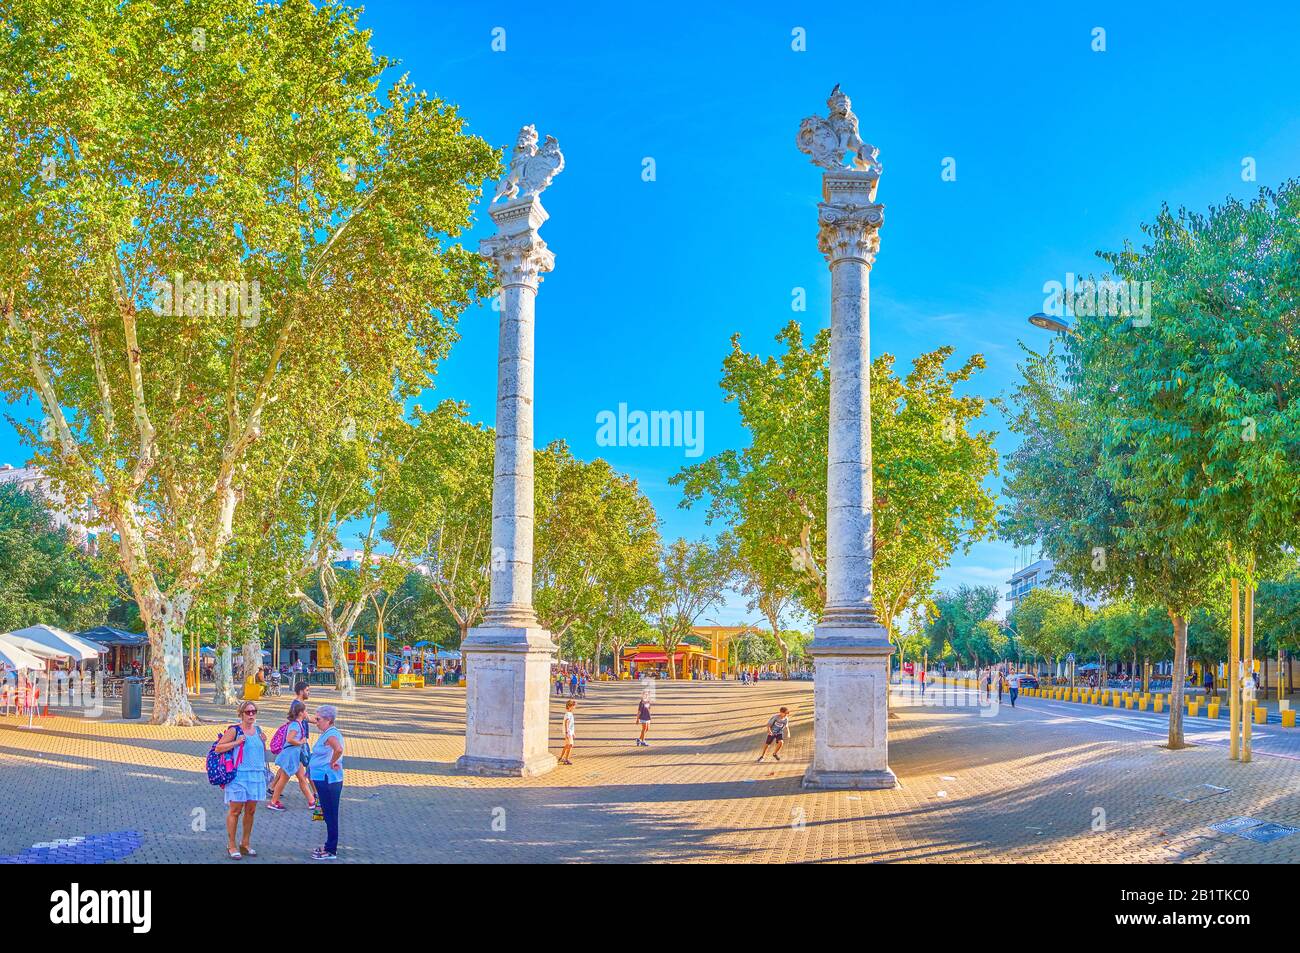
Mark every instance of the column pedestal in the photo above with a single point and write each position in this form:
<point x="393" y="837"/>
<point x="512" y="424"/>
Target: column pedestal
<point x="508" y="708"/>
<point x="851" y="707"/>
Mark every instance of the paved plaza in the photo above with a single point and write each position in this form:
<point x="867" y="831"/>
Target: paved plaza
<point x="1024" y="785"/>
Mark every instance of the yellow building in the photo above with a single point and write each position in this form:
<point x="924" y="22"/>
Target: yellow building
<point x="690" y="660"/>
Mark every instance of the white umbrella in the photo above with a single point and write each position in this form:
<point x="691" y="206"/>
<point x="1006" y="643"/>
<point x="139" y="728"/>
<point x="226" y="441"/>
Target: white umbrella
<point x="48" y="640"/>
<point x="15" y="657"/>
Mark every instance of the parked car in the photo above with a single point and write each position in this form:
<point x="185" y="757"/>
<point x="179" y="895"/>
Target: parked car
<point x="1023" y="680"/>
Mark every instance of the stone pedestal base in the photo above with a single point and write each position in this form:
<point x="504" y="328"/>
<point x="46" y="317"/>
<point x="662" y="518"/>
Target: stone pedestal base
<point x="507" y="703"/>
<point x="851" y="708"/>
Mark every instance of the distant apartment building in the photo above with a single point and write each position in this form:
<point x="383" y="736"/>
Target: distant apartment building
<point x="1037" y="570"/>
<point x="75" y="520"/>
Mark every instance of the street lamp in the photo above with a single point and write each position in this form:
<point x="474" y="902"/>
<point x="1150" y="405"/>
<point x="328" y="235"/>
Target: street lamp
<point x="1050" y="323"/>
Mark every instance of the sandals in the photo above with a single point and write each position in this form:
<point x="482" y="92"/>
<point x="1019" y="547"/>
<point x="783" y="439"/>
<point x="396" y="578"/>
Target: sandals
<point x="234" y="854"/>
<point x="248" y="851"/>
<point x="276" y="806"/>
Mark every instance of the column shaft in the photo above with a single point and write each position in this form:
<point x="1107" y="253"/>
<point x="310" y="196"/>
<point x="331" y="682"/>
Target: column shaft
<point x="511" y="599"/>
<point x="848" y="470"/>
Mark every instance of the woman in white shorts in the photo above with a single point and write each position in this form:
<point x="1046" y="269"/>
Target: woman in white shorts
<point x="246" y="790"/>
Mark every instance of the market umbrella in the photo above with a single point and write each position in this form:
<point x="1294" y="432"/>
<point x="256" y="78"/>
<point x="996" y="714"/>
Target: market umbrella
<point x="46" y="639"/>
<point x="15" y="657"/>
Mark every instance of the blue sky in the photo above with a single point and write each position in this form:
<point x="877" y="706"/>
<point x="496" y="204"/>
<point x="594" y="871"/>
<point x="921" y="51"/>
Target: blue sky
<point x="1060" y="151"/>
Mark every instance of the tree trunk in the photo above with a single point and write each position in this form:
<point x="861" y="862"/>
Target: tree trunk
<point x="1178" y="681"/>
<point x="223" y="676"/>
<point x="343" y="682"/>
<point x="164" y="619"/>
<point x="251" y="640"/>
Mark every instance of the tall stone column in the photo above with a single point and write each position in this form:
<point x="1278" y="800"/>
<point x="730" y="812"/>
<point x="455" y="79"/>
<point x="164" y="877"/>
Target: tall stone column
<point x="508" y="657"/>
<point x="850" y="648"/>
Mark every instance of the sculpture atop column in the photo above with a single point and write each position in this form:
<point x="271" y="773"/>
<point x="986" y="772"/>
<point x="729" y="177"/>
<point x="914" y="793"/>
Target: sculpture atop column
<point x="508" y="657"/>
<point x="850" y="647"/>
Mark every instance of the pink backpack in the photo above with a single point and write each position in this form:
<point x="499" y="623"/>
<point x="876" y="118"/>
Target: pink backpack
<point x="277" y="740"/>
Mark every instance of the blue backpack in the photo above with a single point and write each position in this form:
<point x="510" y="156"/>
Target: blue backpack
<point x="222" y="767"/>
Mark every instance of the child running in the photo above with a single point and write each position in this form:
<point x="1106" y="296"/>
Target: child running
<point x="778" y="730"/>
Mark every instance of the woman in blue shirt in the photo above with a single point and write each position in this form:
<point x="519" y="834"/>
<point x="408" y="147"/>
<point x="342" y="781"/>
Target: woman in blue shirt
<point x="248" y="786"/>
<point x="326" y="773"/>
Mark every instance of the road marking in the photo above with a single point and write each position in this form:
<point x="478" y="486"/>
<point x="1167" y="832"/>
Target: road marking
<point x="1194" y="729"/>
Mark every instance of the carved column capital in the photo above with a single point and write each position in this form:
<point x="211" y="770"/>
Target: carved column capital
<point x="849" y="231"/>
<point x="520" y="259"/>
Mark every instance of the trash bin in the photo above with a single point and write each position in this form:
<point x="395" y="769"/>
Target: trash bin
<point x="132" y="696"/>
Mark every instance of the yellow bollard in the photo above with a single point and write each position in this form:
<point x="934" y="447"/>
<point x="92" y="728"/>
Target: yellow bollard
<point x="1193" y="705"/>
<point x="1212" y="710"/>
<point x="1288" y="718"/>
<point x="1159" y="704"/>
<point x="1261" y="716"/>
<point x="1142" y="703"/>
<point x="1128" y="701"/>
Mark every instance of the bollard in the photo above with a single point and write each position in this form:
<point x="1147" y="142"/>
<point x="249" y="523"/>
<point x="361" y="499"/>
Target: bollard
<point x="1193" y="705"/>
<point x="1212" y="710"/>
<point x="1159" y="704"/>
<point x="1142" y="703"/>
<point x="1288" y="718"/>
<point x="1261" y="716"/>
<point x="1128" y="701"/>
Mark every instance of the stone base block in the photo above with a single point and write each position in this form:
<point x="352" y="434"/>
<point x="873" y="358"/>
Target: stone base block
<point x="504" y="768"/>
<point x="849" y="780"/>
<point x="850" y="709"/>
<point x="508" y="671"/>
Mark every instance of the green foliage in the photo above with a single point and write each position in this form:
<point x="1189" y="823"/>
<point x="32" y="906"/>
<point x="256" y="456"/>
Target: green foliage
<point x="1169" y="455"/>
<point x="44" y="576"/>
<point x="155" y="140"/>
<point x="928" y="470"/>
<point x="692" y="578"/>
<point x="957" y="627"/>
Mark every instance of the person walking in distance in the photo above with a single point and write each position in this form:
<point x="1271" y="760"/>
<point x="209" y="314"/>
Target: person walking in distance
<point x="778" y="730"/>
<point x="643" y="719"/>
<point x="569" y="726"/>
<point x="1013" y="689"/>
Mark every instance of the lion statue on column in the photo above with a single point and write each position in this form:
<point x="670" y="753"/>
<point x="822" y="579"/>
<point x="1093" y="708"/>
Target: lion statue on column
<point x="531" y="169"/>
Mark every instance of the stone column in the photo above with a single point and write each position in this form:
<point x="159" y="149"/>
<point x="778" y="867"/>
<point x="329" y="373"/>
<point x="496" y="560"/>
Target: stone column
<point x="851" y="649"/>
<point x="508" y="657"/>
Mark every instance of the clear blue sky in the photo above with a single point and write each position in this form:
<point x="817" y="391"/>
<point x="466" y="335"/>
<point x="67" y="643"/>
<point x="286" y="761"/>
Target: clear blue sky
<point x="1060" y="151"/>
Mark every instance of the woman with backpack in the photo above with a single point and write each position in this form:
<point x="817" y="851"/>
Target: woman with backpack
<point x="326" y="772"/>
<point x="292" y="750"/>
<point x="245" y="789"/>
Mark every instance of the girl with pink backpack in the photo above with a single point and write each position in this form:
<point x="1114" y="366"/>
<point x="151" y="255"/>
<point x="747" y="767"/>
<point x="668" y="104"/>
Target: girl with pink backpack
<point x="292" y="749"/>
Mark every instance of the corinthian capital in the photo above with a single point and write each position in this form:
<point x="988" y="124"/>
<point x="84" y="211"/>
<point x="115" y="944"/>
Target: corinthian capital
<point x="849" y="231"/>
<point x="520" y="259"/>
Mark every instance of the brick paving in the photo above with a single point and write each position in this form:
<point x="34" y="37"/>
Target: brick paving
<point x="1023" y="785"/>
